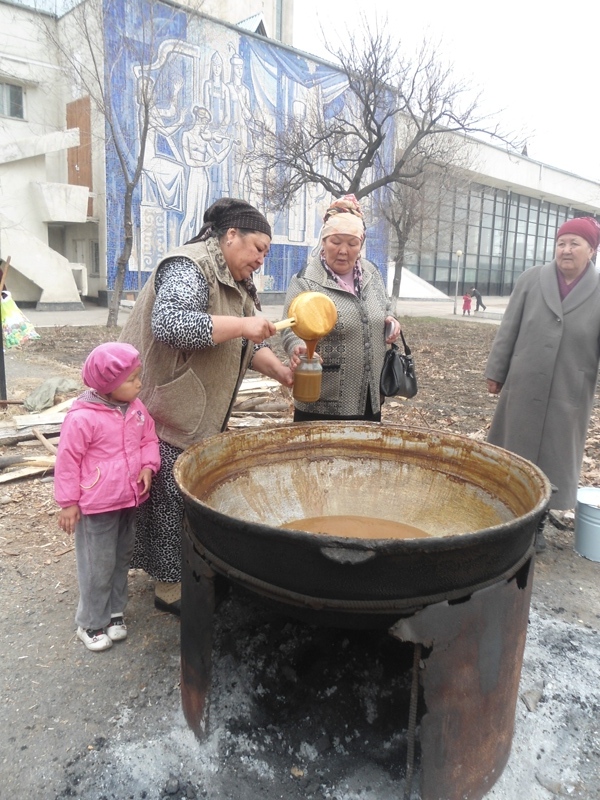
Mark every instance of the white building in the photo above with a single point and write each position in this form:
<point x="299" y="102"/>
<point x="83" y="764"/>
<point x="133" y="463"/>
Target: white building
<point x="61" y="184"/>
<point x="40" y="210"/>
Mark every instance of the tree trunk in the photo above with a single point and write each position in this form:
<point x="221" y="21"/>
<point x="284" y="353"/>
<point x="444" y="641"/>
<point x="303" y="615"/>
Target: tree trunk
<point x="398" y="264"/>
<point x="123" y="260"/>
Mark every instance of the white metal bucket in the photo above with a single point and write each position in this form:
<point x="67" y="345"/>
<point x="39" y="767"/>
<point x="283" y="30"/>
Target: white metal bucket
<point x="587" y="523"/>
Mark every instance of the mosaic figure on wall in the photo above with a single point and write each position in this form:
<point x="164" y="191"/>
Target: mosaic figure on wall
<point x="216" y="97"/>
<point x="162" y="178"/>
<point x="240" y="127"/>
<point x="215" y="94"/>
<point x="199" y="154"/>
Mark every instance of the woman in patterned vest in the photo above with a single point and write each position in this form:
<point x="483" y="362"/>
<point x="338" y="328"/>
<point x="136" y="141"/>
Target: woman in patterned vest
<point x="194" y="326"/>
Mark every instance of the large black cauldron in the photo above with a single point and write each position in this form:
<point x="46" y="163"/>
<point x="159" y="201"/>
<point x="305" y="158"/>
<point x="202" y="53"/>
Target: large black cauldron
<point x="464" y="592"/>
<point x="480" y="503"/>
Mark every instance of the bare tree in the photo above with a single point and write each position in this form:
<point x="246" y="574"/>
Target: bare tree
<point x="417" y="208"/>
<point x="398" y="115"/>
<point x="81" y="44"/>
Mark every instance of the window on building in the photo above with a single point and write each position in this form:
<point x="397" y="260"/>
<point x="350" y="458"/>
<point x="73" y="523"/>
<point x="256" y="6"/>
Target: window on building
<point x="498" y="242"/>
<point x="80" y="247"/>
<point x="11" y="101"/>
<point x="485" y="242"/>
<point x="95" y="257"/>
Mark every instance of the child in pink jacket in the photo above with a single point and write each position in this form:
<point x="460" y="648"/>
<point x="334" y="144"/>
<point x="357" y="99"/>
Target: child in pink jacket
<point x="107" y="455"/>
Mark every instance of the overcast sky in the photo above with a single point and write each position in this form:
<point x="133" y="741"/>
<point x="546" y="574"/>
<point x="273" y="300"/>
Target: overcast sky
<point x="536" y="62"/>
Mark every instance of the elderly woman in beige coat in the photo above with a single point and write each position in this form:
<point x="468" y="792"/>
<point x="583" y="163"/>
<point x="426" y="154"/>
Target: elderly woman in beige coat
<point x="544" y="360"/>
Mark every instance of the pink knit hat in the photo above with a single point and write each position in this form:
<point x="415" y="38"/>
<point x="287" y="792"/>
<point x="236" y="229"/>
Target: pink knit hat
<point x="109" y="365"/>
<point x="586" y="227"/>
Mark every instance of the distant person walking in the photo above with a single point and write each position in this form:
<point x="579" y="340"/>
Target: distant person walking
<point x="477" y="295"/>
<point x="467" y="304"/>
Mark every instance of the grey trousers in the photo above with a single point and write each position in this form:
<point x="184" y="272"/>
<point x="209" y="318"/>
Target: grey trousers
<point x="103" y="548"/>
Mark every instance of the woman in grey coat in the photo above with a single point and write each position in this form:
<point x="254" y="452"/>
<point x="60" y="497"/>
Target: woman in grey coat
<point x="352" y="354"/>
<point x="544" y="360"/>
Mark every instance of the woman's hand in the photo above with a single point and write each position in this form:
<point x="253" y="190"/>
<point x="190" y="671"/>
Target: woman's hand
<point x="396" y="328"/>
<point x="266" y="362"/>
<point x="494" y="387"/>
<point x="255" y="329"/>
<point x="68" y="518"/>
<point x="299" y="350"/>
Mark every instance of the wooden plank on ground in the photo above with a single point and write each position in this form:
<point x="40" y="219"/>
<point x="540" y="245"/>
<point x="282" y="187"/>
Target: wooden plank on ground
<point x="253" y="384"/>
<point x="27" y="461"/>
<point x="47" y="444"/>
<point x="35" y="420"/>
<point x="26" y="472"/>
<point x="64" y="406"/>
<point x="13" y="436"/>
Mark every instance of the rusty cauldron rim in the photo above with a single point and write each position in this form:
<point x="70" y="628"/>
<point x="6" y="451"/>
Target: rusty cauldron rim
<point x="357" y="569"/>
<point x="429" y="543"/>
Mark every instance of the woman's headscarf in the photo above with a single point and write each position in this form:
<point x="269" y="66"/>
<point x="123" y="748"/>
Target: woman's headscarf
<point x="343" y="216"/>
<point x="586" y="227"/>
<point x="228" y="212"/>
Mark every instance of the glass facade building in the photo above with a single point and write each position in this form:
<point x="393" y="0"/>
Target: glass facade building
<point x="500" y="233"/>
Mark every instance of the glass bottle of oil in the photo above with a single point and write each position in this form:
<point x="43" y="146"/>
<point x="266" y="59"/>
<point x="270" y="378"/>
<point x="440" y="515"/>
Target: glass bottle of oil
<point x="307" y="379"/>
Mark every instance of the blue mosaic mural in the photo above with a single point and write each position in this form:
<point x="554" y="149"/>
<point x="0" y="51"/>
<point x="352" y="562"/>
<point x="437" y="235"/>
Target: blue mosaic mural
<point x="215" y="91"/>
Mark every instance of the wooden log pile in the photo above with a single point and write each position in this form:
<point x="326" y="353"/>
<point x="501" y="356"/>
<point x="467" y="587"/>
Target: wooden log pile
<point x="26" y="431"/>
<point x="260" y="401"/>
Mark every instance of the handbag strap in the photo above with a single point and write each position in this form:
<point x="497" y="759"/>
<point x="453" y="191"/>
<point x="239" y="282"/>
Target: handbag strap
<point x="407" y="349"/>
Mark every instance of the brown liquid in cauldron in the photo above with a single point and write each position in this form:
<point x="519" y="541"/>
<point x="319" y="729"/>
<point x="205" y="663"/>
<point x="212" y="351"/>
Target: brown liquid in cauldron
<point x="355" y="527"/>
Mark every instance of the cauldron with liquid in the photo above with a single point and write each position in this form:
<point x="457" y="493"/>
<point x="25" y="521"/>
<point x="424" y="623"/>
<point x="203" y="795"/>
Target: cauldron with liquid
<point x="463" y="592"/>
<point x="479" y="503"/>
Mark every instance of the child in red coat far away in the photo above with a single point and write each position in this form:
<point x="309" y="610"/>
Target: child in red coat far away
<point x="107" y="455"/>
<point x="467" y="304"/>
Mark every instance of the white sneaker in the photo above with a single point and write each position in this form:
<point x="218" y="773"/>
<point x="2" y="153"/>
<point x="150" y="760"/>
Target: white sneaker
<point x="116" y="630"/>
<point x="94" y="640"/>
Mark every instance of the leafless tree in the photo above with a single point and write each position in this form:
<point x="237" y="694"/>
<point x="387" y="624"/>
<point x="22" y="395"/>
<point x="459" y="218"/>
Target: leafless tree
<point x="80" y="42"/>
<point x="398" y="115"/>
<point x="417" y="209"/>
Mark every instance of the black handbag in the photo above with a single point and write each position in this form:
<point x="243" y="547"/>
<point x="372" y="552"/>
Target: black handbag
<point x="398" y="377"/>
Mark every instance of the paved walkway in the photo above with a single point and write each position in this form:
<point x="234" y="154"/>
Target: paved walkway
<point x="98" y="315"/>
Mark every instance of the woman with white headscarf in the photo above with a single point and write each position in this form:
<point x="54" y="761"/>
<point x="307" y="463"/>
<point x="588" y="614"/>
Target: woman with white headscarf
<point x="352" y="354"/>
